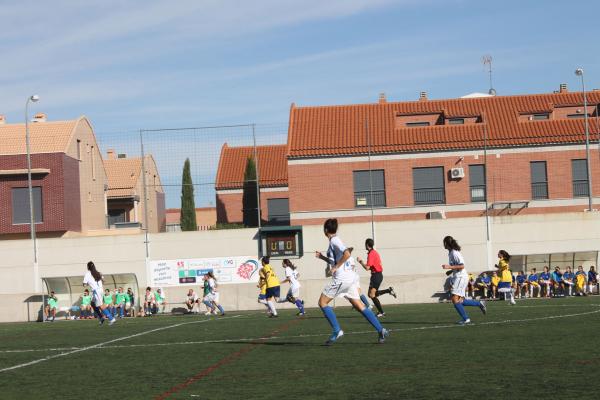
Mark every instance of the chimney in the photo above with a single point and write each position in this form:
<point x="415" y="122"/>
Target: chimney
<point x="563" y="88"/>
<point x="110" y="154"/>
<point x="423" y="96"/>
<point x="2" y="120"/>
<point x="39" y="117"/>
<point x="382" y="99"/>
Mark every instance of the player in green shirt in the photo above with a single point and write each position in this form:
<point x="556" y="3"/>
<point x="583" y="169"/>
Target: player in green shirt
<point x="160" y="299"/>
<point x="120" y="300"/>
<point x="130" y="302"/>
<point x="86" y="305"/>
<point x="51" y="307"/>
<point x="109" y="302"/>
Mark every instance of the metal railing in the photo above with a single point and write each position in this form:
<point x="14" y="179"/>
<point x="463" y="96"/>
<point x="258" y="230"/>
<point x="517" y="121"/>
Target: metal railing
<point x="429" y="196"/>
<point x="477" y="193"/>
<point x="363" y="199"/>
<point x="580" y="188"/>
<point x="539" y="190"/>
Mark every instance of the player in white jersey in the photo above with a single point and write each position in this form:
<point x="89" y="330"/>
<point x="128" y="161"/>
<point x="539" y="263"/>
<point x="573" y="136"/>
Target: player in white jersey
<point x="344" y="282"/>
<point x="293" y="294"/>
<point x="93" y="279"/>
<point x="459" y="280"/>
<point x="192" y="301"/>
<point x="212" y="297"/>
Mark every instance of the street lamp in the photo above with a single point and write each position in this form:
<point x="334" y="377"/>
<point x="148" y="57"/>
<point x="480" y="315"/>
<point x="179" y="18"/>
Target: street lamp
<point x="36" y="273"/>
<point x="579" y="72"/>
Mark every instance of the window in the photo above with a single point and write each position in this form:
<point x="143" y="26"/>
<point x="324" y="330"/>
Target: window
<point x="420" y="123"/>
<point x="79" y="149"/>
<point x="456" y="121"/>
<point x="428" y="185"/>
<point x="575" y="116"/>
<point x="116" y="216"/>
<point x="20" y="205"/>
<point x="540" y="117"/>
<point x="279" y="211"/>
<point x="477" y="182"/>
<point x="580" y="178"/>
<point x="539" y="180"/>
<point x="364" y="183"/>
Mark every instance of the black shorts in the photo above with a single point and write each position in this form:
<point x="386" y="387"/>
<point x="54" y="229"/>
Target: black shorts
<point x="376" y="279"/>
<point x="272" y="292"/>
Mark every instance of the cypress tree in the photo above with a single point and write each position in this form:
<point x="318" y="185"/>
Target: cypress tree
<point x="249" y="201"/>
<point x="188" y="207"/>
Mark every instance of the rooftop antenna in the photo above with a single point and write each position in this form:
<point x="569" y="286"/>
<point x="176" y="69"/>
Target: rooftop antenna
<point x="487" y="64"/>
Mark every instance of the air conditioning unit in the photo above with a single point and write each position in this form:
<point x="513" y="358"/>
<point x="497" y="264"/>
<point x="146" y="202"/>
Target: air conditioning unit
<point x="457" y="173"/>
<point x="436" y="215"/>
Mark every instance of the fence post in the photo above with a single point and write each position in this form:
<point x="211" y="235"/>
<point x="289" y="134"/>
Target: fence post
<point x="257" y="175"/>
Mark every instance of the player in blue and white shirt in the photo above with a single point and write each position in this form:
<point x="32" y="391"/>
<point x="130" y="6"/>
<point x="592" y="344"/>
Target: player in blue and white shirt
<point x="293" y="294"/>
<point x="545" y="281"/>
<point x="521" y="281"/>
<point x="344" y="282"/>
<point x="568" y="281"/>
<point x="533" y="284"/>
<point x="592" y="280"/>
<point x="459" y="280"/>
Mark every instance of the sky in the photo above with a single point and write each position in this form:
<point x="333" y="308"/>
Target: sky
<point x="191" y="63"/>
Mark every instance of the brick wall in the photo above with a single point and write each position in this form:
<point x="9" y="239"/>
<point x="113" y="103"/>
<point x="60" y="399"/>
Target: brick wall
<point x="60" y="192"/>
<point x="229" y="205"/>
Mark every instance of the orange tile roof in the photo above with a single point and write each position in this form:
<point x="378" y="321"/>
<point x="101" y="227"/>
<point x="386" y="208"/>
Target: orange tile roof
<point x="123" y="174"/>
<point x="340" y="130"/>
<point x="272" y="166"/>
<point x="45" y="137"/>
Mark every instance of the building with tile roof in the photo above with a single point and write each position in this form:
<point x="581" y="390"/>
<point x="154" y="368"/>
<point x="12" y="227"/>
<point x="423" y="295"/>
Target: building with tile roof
<point x="125" y="192"/>
<point x="68" y="178"/>
<point x="435" y="158"/>
<point x="272" y="175"/>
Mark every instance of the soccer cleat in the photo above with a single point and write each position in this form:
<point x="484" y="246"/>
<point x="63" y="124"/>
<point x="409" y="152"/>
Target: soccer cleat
<point x="393" y="293"/>
<point x="382" y="335"/>
<point x="334" y="337"/>
<point x="112" y="321"/>
<point x="512" y="302"/>
<point x="381" y="314"/>
<point x="101" y="321"/>
<point x="483" y="307"/>
<point x="300" y="314"/>
<point x="464" y="322"/>
<point x="273" y="315"/>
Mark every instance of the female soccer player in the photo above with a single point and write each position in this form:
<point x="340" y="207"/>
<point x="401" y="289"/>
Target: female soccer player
<point x="592" y="280"/>
<point x="273" y="287"/>
<point x="459" y="278"/>
<point x="506" y="279"/>
<point x="344" y="282"/>
<point x="374" y="266"/>
<point x="107" y="299"/>
<point x="213" y="295"/>
<point x="521" y="285"/>
<point x="580" y="281"/>
<point x="93" y="279"/>
<point x="262" y="293"/>
<point x="149" y="302"/>
<point x="293" y="294"/>
<point x="495" y="280"/>
<point x="533" y="284"/>
<point x="545" y="281"/>
<point x="568" y="282"/>
<point x="86" y="305"/>
<point x="51" y="307"/>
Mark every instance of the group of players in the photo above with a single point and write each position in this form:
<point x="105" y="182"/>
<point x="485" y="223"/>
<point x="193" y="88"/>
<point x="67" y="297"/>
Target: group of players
<point x="210" y="297"/>
<point x="534" y="284"/>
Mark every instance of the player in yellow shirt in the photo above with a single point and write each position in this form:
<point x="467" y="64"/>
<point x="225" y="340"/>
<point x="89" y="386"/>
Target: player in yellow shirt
<point x="262" y="286"/>
<point x="272" y="282"/>
<point x="580" y="281"/>
<point x="506" y="278"/>
<point x="494" y="284"/>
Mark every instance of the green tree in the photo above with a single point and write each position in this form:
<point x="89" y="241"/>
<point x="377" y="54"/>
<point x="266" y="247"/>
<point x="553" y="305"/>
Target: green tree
<point x="249" y="200"/>
<point x="188" y="207"/>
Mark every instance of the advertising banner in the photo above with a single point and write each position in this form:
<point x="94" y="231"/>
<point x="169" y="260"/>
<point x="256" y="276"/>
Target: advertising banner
<point x="227" y="270"/>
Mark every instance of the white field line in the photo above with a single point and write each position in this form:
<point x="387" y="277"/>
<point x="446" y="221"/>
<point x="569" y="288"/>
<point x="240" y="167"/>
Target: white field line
<point x="417" y="328"/>
<point x="81" y="349"/>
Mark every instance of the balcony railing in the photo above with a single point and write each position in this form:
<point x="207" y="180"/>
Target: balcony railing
<point x="361" y="199"/>
<point x="429" y="196"/>
<point x="477" y="193"/>
<point x="580" y="189"/>
<point x="539" y="190"/>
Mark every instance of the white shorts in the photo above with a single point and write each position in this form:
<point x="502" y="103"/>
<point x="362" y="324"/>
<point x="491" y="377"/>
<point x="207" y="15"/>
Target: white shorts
<point x="347" y="289"/>
<point x="212" y="297"/>
<point x="293" y="291"/>
<point x="458" y="285"/>
<point x="97" y="298"/>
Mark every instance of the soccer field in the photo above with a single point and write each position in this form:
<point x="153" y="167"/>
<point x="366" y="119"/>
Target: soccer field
<point x="538" y="348"/>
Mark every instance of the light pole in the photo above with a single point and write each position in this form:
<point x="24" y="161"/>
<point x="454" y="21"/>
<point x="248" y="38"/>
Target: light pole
<point x="36" y="272"/>
<point x="579" y="72"/>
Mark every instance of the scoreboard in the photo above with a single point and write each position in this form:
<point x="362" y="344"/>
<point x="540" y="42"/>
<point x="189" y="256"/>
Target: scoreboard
<point x="281" y="242"/>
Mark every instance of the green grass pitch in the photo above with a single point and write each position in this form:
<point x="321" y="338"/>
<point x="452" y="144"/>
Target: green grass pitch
<point x="536" y="349"/>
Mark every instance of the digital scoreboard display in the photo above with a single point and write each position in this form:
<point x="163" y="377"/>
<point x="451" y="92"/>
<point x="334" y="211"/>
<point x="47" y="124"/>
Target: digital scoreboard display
<point x="281" y="246"/>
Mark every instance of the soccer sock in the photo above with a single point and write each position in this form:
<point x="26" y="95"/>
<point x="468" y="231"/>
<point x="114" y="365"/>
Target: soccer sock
<point x="380" y="292"/>
<point x="220" y="309"/>
<point x="365" y="301"/>
<point x="207" y="304"/>
<point x="461" y="311"/>
<point x="331" y="318"/>
<point x="262" y="301"/>
<point x="106" y="312"/>
<point x="300" y="305"/>
<point x="368" y="314"/>
<point x="377" y="303"/>
<point x="271" y="305"/>
<point x="471" y="303"/>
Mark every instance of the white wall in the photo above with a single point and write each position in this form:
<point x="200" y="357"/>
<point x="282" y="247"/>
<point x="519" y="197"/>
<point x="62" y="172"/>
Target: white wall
<point x="412" y="254"/>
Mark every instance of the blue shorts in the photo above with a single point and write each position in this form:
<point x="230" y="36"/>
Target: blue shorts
<point x="272" y="292"/>
<point x="504" y="285"/>
<point x="262" y="296"/>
